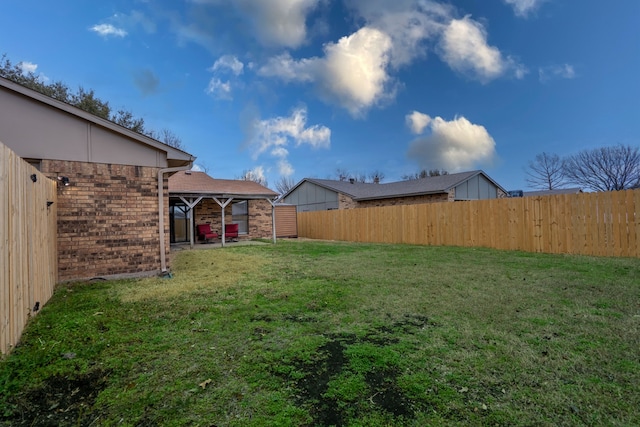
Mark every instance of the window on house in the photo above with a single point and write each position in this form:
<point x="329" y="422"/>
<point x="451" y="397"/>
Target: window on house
<point x="240" y="213"/>
<point x="36" y="163"/>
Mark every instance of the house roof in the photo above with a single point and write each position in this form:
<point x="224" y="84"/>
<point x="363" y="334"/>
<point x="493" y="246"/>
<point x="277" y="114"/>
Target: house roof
<point x="574" y="190"/>
<point x="175" y="157"/>
<point x="415" y="187"/>
<point x="191" y="183"/>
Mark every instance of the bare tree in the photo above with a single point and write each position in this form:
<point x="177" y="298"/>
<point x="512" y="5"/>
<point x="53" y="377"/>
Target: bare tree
<point x="360" y="177"/>
<point x="605" y="169"/>
<point x="342" y="174"/>
<point x="249" y="175"/>
<point x="373" y="177"/>
<point x="284" y="184"/>
<point x="424" y="173"/>
<point x="546" y="172"/>
<point x="376" y="176"/>
<point x="168" y="137"/>
<point x="203" y="166"/>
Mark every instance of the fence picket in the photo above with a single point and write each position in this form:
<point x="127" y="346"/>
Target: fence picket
<point x="600" y="224"/>
<point x="28" y="243"/>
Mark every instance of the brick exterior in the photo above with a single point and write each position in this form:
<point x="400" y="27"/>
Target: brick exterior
<point x="260" y="219"/>
<point x="346" y="202"/>
<point x="260" y="225"/>
<point x="209" y="212"/>
<point x="107" y="219"/>
<point x="413" y="200"/>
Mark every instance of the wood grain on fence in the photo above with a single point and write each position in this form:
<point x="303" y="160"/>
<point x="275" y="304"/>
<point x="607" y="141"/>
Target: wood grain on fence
<point x="600" y="224"/>
<point x="28" y="257"/>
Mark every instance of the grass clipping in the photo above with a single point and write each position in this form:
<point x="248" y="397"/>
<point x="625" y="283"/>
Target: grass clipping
<point x="195" y="271"/>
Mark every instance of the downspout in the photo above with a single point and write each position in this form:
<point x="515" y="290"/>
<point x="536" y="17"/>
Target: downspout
<point x="161" y="172"/>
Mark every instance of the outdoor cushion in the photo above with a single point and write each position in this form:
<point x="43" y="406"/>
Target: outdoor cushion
<point x="231" y="231"/>
<point x="205" y="233"/>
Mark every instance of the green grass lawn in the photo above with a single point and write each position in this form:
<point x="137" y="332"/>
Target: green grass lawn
<point x="307" y="333"/>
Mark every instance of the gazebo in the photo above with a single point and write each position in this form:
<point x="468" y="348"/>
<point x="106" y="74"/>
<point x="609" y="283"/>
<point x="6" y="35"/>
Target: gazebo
<point x="196" y="198"/>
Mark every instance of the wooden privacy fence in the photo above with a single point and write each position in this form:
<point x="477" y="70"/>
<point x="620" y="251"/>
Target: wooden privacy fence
<point x="28" y="257"/>
<point x="600" y="224"/>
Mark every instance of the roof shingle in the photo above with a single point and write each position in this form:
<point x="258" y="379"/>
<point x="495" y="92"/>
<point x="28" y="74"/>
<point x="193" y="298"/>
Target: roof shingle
<point x="191" y="182"/>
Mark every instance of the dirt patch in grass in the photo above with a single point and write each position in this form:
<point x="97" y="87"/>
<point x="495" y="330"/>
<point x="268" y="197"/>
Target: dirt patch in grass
<point x="59" y="401"/>
<point x="318" y="381"/>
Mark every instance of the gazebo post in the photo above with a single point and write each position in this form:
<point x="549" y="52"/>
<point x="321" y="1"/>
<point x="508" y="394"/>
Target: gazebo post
<point x="273" y="219"/>
<point x="223" y="205"/>
<point x="192" y="225"/>
<point x="191" y="205"/>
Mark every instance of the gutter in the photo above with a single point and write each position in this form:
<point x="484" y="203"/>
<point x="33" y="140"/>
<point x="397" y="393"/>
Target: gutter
<point x="161" y="172"/>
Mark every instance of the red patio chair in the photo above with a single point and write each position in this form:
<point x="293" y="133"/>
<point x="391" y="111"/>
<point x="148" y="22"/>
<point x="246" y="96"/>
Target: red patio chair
<point x="205" y="233"/>
<point x="231" y="232"/>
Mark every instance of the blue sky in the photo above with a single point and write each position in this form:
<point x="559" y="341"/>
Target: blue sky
<point x="301" y="88"/>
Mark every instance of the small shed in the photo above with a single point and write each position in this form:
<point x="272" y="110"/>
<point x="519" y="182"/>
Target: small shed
<point x="286" y="220"/>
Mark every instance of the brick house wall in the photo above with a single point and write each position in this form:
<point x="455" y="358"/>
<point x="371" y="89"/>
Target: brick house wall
<point x="346" y="202"/>
<point x="209" y="212"/>
<point x="107" y="219"/>
<point x="412" y="200"/>
<point x="260" y="219"/>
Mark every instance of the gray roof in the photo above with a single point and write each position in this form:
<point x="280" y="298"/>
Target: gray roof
<point x="414" y="187"/>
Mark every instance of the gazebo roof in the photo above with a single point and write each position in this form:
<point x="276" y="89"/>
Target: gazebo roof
<point x="197" y="184"/>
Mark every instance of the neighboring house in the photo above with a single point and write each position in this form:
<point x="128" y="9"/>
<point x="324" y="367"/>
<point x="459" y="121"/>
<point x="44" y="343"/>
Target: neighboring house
<point x="113" y="217"/>
<point x="323" y="194"/>
<point x="196" y="198"/>
<point x="575" y="190"/>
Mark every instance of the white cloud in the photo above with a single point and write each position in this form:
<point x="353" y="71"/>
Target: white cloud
<point x="355" y="69"/>
<point x="275" y="136"/>
<point x="464" y="47"/>
<point x="409" y="24"/>
<point x="271" y="23"/>
<point x="524" y="7"/>
<point x="279" y="22"/>
<point x="280" y="152"/>
<point x="29" y="67"/>
<point x="352" y="74"/>
<point x="285" y="169"/>
<point x="228" y="62"/>
<point x="257" y="174"/>
<point x="219" y="89"/>
<point x="417" y="121"/>
<point x="133" y="20"/>
<point x="564" y="71"/>
<point x="288" y="69"/>
<point x="355" y="72"/>
<point x="222" y="89"/>
<point x="106" y="30"/>
<point x="454" y="145"/>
